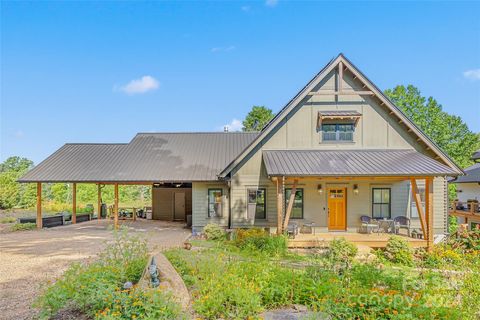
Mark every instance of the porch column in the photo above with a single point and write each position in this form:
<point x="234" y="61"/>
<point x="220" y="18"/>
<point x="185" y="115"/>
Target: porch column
<point x="290" y="204"/>
<point x="39" y="205"/>
<point x="418" y="204"/>
<point x="279" y="205"/>
<point x="115" y="208"/>
<point x="99" y="203"/>
<point x="429" y="210"/>
<point x="74" y="203"/>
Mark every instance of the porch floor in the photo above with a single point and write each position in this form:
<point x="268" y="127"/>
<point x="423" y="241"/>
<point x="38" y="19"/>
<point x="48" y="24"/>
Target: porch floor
<point x="372" y="240"/>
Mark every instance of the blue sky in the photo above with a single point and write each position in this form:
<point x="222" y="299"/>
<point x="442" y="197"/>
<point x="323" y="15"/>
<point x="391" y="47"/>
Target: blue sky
<point x="103" y="71"/>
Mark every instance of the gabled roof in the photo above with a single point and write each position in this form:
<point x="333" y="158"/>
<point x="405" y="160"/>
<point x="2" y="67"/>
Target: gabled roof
<point x="149" y="157"/>
<point x="303" y="93"/>
<point x="476" y="155"/>
<point x="335" y="163"/>
<point x="472" y="174"/>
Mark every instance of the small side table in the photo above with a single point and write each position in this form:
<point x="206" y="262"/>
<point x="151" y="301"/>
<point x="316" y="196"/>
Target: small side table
<point x="310" y="225"/>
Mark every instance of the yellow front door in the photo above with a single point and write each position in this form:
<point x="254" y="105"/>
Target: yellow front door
<point x="337" y="205"/>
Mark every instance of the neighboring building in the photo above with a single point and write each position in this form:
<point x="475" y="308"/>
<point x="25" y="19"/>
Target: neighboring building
<point x="343" y="146"/>
<point x="468" y="186"/>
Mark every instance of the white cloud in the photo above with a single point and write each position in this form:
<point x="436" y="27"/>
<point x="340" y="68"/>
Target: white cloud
<point x="234" y="125"/>
<point x="246" y="8"/>
<point x="271" y="3"/>
<point x="473" y="74"/>
<point x="139" y="86"/>
<point x="222" y="49"/>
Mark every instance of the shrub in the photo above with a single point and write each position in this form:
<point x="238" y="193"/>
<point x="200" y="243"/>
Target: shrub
<point x="341" y="253"/>
<point x="257" y="239"/>
<point x="214" y="231"/>
<point x="466" y="241"/>
<point x="441" y="257"/>
<point x="8" y="220"/>
<point x="23" y="226"/>
<point x="398" y="250"/>
<point x="96" y="288"/>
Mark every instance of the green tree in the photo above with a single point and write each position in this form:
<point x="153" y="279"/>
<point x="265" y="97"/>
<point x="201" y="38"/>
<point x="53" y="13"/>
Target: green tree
<point x="448" y="131"/>
<point x="12" y="193"/>
<point x="257" y="118"/>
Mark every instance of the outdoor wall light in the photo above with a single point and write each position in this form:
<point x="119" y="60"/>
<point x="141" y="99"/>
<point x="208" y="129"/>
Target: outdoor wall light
<point x="355" y="188"/>
<point x="320" y="189"/>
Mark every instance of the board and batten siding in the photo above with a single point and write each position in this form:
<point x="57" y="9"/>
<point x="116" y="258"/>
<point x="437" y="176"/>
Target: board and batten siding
<point x="200" y="205"/>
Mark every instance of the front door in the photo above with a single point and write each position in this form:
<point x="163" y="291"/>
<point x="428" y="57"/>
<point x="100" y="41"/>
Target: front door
<point x="179" y="210"/>
<point x="337" y="205"/>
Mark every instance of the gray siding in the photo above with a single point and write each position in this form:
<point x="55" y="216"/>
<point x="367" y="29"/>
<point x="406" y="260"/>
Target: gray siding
<point x="200" y="205"/>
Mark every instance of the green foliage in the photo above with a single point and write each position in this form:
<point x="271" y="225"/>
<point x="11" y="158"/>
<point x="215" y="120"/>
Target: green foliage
<point x="96" y="288"/>
<point x="398" y="250"/>
<point x="442" y="257"/>
<point x="12" y="193"/>
<point x="8" y="220"/>
<point x="214" y="232"/>
<point x="225" y="284"/>
<point x="468" y="241"/>
<point x="257" y="118"/>
<point x="452" y="224"/>
<point x="449" y="132"/>
<point x="256" y="239"/>
<point x="23" y="226"/>
<point x="341" y="253"/>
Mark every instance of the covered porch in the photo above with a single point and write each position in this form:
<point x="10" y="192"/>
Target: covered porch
<point x="344" y="193"/>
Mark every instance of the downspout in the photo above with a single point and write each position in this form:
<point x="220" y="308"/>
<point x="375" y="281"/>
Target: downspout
<point x="229" y="185"/>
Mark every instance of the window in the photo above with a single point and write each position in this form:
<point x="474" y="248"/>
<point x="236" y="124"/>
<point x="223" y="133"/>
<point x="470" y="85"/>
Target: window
<point x="413" y="207"/>
<point x="256" y="207"/>
<point x="338" y="132"/>
<point x="214" y="203"/>
<point x="381" y="205"/>
<point x="297" y="209"/>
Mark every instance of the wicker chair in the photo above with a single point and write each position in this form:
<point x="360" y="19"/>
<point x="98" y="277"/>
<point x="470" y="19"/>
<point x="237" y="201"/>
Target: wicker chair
<point x="292" y="229"/>
<point x="368" y="224"/>
<point x="402" y="222"/>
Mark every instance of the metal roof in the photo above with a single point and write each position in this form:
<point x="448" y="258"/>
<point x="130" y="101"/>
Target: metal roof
<point x="339" y="113"/>
<point x="149" y="157"/>
<point x="384" y="162"/>
<point x="472" y="174"/>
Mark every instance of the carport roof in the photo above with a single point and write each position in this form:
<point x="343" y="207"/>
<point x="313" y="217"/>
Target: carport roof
<point x="384" y="162"/>
<point x="149" y="157"/>
<point x="472" y="174"/>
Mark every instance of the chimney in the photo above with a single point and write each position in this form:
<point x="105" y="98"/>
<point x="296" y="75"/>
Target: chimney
<point x="225" y="129"/>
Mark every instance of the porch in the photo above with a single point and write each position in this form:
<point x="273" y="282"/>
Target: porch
<point x="372" y="240"/>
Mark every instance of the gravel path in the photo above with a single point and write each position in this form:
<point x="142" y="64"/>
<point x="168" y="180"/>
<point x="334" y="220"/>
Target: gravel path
<point x="29" y="259"/>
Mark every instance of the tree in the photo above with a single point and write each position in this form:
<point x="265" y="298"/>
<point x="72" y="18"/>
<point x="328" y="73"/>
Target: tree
<point x="257" y="118"/>
<point x="449" y="132"/>
<point x="13" y="193"/>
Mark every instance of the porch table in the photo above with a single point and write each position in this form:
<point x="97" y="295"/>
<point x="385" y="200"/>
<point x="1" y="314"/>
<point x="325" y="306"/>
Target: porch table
<point x="387" y="225"/>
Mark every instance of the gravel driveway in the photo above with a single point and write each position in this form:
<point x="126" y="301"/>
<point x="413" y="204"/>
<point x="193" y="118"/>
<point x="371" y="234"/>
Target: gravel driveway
<point x="29" y="259"/>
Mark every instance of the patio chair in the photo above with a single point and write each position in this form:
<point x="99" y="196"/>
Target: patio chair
<point x="402" y="222"/>
<point x="292" y="229"/>
<point x="368" y="224"/>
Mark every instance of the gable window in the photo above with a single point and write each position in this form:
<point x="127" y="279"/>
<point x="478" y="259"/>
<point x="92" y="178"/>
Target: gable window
<point x="297" y="209"/>
<point x="337" y="131"/>
<point x="256" y="208"/>
<point x="215" y="202"/>
<point x="381" y="205"/>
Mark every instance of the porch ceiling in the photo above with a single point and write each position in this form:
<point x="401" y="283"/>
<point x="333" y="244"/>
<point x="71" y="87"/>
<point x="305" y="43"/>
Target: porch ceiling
<point x="350" y="163"/>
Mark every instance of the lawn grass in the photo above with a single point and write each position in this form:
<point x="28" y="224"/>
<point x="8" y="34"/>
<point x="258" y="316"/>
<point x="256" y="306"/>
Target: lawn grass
<point x="232" y="283"/>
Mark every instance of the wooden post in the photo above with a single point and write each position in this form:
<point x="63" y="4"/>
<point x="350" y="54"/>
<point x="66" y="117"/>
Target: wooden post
<point x="291" y="200"/>
<point x="418" y="203"/>
<point x="279" y="206"/>
<point x="115" y="208"/>
<point x="99" y="203"/>
<point x="74" y="203"/>
<point x="429" y="210"/>
<point x="134" y="214"/>
<point x="39" y="205"/>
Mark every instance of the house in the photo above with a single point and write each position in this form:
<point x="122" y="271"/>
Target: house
<point x="468" y="194"/>
<point x="337" y="151"/>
